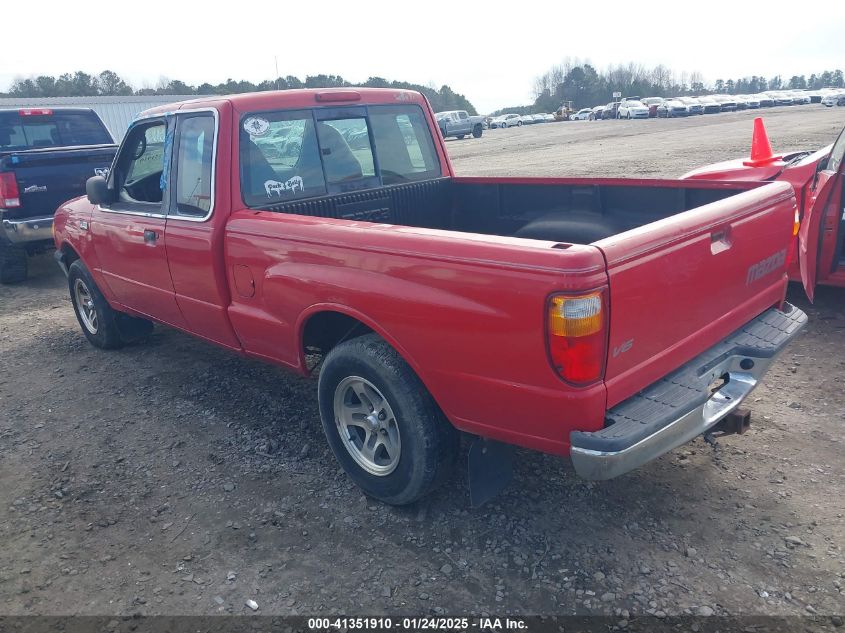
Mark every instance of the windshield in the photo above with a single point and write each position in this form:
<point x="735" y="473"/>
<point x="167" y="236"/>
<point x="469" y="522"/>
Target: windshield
<point x="57" y="129"/>
<point x="292" y="154"/>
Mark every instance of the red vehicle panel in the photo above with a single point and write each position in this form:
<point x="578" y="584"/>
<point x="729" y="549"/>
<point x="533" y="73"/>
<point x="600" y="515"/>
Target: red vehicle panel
<point x="817" y="178"/>
<point x="329" y="225"/>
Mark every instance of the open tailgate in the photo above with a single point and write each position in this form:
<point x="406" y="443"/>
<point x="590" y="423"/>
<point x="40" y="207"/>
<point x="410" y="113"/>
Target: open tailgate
<point x="679" y="285"/>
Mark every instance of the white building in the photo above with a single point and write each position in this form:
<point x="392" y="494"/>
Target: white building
<point x="116" y="112"/>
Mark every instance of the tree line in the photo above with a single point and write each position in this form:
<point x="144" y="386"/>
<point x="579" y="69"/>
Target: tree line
<point x="584" y="85"/>
<point x="110" y="84"/>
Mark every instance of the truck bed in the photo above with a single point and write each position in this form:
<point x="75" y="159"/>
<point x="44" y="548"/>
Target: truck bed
<point x="685" y="261"/>
<point x="577" y="211"/>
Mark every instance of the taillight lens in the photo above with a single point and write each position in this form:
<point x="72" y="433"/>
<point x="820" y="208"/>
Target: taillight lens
<point x="577" y="336"/>
<point x="9" y="196"/>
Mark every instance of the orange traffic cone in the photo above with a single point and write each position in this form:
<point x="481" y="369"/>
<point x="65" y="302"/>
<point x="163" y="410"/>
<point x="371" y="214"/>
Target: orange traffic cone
<point x="761" y="149"/>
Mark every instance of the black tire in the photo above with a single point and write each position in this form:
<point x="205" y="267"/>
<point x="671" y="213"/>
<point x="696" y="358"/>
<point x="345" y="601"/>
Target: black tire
<point x="477" y="131"/>
<point x="519" y="124"/>
<point x="13" y="264"/>
<point x="103" y="332"/>
<point x="461" y="136"/>
<point x="428" y="442"/>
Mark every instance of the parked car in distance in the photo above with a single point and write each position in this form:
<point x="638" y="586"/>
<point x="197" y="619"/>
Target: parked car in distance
<point x="694" y="106"/>
<point x="459" y="123"/>
<point x="780" y="98"/>
<point x="542" y="117"/>
<point x="672" y="108"/>
<point x="752" y="102"/>
<point x="653" y="103"/>
<point x="741" y="103"/>
<point x="765" y="100"/>
<point x="726" y="102"/>
<point x="46" y="155"/>
<point x="506" y="120"/>
<point x="711" y="106"/>
<point x="799" y="97"/>
<point x="434" y="305"/>
<point x="549" y="117"/>
<point x="632" y="109"/>
<point x="596" y="113"/>
<point x="834" y="99"/>
<point x="582" y="115"/>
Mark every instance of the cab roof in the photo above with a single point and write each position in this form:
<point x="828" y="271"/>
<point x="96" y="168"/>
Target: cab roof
<point x="293" y="99"/>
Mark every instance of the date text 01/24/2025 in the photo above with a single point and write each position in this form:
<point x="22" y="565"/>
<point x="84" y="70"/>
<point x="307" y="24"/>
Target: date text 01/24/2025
<point x="416" y="624"/>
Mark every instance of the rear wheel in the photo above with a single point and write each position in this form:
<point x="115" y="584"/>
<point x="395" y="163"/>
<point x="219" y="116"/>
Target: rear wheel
<point x="519" y="124"/>
<point x="13" y="263"/>
<point x="382" y="424"/>
<point x="477" y="131"/>
<point x="461" y="136"/>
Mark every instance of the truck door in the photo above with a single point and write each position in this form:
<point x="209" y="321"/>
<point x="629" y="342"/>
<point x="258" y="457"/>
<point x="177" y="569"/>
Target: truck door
<point x="128" y="234"/>
<point x="196" y="220"/>
<point x="463" y="123"/>
<point x="820" y="224"/>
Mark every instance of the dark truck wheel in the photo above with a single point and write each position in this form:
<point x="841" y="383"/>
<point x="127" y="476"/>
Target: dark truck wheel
<point x="461" y="136"/>
<point x="102" y="325"/>
<point x="476" y="131"/>
<point x="382" y="424"/>
<point x="13" y="264"/>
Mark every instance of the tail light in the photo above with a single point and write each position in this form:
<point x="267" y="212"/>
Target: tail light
<point x="577" y="336"/>
<point x="9" y="196"/>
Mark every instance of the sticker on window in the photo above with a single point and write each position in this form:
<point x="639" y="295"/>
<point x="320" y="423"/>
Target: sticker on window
<point x="256" y="126"/>
<point x="278" y="188"/>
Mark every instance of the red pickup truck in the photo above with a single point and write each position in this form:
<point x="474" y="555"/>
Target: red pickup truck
<point x="607" y="319"/>
<point x="818" y="178"/>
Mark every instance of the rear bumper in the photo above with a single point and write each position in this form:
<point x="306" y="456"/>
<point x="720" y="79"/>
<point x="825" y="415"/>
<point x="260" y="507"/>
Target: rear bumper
<point x="28" y="230"/>
<point x="680" y="407"/>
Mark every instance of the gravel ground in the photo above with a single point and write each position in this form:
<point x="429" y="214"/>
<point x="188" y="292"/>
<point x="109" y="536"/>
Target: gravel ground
<point x="171" y="477"/>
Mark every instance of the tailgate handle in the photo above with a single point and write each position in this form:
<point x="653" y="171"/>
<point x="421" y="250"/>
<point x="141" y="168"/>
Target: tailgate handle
<point x="720" y="241"/>
<point x="150" y="236"/>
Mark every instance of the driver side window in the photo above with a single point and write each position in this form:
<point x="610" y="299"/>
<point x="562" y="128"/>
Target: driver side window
<point x="141" y="164"/>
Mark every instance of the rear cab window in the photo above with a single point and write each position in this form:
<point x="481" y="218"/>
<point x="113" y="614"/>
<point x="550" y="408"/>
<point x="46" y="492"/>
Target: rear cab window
<point x="51" y="128"/>
<point x="290" y="155"/>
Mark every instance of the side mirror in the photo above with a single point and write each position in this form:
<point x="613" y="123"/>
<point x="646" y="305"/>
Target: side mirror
<point x="98" y="191"/>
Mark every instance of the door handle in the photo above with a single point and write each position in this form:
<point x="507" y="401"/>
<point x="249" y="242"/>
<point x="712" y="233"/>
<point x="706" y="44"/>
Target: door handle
<point x="150" y="236"/>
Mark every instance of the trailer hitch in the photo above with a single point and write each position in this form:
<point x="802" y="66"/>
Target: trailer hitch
<point x="737" y="421"/>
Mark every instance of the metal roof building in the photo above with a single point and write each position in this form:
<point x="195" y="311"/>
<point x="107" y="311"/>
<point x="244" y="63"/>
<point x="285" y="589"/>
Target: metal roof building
<point x="116" y="112"/>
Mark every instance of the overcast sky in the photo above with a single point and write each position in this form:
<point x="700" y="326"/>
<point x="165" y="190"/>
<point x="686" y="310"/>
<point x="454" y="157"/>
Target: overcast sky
<point x="491" y="52"/>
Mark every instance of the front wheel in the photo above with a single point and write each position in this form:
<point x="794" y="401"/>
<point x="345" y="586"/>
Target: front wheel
<point x="382" y="424"/>
<point x="103" y="326"/>
<point x="476" y="131"/>
<point x="519" y="124"/>
<point x="96" y="317"/>
<point x="461" y="136"/>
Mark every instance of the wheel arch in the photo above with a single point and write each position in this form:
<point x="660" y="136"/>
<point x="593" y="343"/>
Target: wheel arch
<point x="69" y="254"/>
<point x="328" y="325"/>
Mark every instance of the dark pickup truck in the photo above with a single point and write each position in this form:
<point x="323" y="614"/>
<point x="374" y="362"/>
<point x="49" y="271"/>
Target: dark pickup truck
<point x="46" y="155"/>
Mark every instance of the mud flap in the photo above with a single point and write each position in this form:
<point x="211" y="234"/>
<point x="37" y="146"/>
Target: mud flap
<point x="490" y="469"/>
